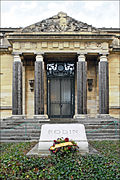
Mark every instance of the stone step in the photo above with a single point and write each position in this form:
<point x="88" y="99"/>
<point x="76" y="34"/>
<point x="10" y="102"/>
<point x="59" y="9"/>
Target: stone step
<point x="18" y="135"/>
<point x="103" y="137"/>
<point x="19" y="138"/>
<point x="39" y="124"/>
<point x="100" y="127"/>
<point x="84" y="120"/>
<point x="101" y="134"/>
<point x="17" y="141"/>
<point x="108" y="139"/>
<point x="21" y="134"/>
<point x="37" y="139"/>
<point x="21" y="126"/>
<point x="37" y="129"/>
<point x="27" y="133"/>
<point x="21" y="131"/>
<point x="31" y="140"/>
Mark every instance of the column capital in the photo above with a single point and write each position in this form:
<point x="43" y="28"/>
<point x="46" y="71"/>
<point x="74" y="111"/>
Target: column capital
<point x="103" y="58"/>
<point x="17" y="58"/>
<point x="81" y="57"/>
<point x="39" y="57"/>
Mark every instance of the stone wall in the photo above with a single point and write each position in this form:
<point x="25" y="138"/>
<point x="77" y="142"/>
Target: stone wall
<point x="6" y="85"/>
<point x="29" y="95"/>
<point x="92" y="100"/>
<point x="114" y="84"/>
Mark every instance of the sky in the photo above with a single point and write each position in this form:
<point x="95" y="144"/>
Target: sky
<point x="24" y="13"/>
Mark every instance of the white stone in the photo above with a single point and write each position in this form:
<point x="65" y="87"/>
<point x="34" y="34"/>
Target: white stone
<point x="51" y="132"/>
<point x="81" y="57"/>
<point x="39" y="57"/>
<point x="17" y="58"/>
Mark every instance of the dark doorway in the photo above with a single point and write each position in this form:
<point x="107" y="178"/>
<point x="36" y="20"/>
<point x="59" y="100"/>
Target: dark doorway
<point x="60" y="83"/>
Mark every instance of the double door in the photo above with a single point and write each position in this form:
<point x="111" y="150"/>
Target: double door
<point x="60" y="97"/>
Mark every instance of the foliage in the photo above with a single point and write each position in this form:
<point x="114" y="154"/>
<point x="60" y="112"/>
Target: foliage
<point x="108" y="148"/>
<point x="63" y="146"/>
<point x="16" y="165"/>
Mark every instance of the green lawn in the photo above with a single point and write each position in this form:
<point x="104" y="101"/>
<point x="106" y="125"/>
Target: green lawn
<point x="16" y="165"/>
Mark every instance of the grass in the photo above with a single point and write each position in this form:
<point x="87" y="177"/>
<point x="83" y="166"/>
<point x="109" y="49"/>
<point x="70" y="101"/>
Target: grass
<point x="16" y="165"/>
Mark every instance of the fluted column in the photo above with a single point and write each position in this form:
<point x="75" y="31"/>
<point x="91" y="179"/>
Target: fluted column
<point x="81" y="85"/>
<point x="17" y="86"/>
<point x="39" y="85"/>
<point x="103" y="85"/>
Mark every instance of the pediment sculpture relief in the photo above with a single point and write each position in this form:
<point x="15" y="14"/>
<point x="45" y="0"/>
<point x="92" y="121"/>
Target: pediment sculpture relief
<point x="60" y="23"/>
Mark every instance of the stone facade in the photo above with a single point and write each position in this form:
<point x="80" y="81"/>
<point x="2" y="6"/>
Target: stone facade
<point x="60" y="38"/>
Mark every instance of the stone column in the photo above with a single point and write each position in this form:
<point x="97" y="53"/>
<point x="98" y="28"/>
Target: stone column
<point x="81" y="85"/>
<point x="39" y="85"/>
<point x="17" y="86"/>
<point x="39" y="89"/>
<point x="103" y="85"/>
<point x="24" y="88"/>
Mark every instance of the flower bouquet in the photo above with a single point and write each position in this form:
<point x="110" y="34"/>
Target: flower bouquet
<point x="63" y="146"/>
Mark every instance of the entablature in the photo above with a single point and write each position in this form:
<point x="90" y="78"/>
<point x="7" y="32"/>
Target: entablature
<point x="61" y="46"/>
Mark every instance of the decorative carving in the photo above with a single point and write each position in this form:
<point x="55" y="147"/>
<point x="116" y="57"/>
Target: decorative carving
<point x="76" y="44"/>
<point x="60" y="69"/>
<point x="16" y="46"/>
<point x="44" y="44"/>
<point x="90" y="84"/>
<point x="58" y="23"/>
<point x="93" y="45"/>
<point x="104" y="46"/>
<point x="31" y="83"/>
<point x="55" y="44"/>
<point x="27" y="45"/>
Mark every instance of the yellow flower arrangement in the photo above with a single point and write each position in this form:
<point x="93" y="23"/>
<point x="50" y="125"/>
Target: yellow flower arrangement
<point x="63" y="146"/>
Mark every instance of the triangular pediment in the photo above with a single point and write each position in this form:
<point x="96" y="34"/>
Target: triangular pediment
<point x="60" y="23"/>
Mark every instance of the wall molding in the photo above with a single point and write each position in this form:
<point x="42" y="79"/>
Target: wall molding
<point x="5" y="107"/>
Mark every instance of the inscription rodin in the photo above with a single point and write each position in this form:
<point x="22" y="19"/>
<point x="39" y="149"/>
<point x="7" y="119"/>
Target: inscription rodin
<point x="63" y="132"/>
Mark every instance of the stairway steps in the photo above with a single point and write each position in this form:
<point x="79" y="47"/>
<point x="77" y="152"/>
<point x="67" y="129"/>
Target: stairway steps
<point x="29" y="129"/>
<point x="20" y="131"/>
<point x="103" y="137"/>
<point x="21" y="134"/>
<point x="39" y="124"/>
<point x="102" y="130"/>
<point x="98" y="139"/>
<point x="37" y="131"/>
<point x="19" y="137"/>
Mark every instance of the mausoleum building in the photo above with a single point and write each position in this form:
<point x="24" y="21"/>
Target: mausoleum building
<point x="59" y="68"/>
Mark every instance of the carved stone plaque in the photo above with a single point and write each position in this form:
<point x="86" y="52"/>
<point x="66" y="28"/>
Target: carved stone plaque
<point x="50" y="132"/>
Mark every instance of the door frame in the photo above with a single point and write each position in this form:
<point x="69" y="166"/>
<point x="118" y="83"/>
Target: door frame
<point x="72" y="104"/>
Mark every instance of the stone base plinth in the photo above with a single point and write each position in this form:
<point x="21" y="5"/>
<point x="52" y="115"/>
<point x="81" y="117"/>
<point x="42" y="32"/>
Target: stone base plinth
<point x="80" y="116"/>
<point x="18" y="117"/>
<point x="42" y="117"/>
<point x="103" y="116"/>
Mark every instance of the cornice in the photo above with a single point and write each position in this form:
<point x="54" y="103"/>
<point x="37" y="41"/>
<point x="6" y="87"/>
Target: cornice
<point x="32" y="37"/>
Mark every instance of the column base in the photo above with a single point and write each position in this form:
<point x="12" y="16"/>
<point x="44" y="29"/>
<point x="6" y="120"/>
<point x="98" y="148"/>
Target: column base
<point x="103" y="116"/>
<point x="80" y="116"/>
<point x="18" y="117"/>
<point x="41" y="117"/>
